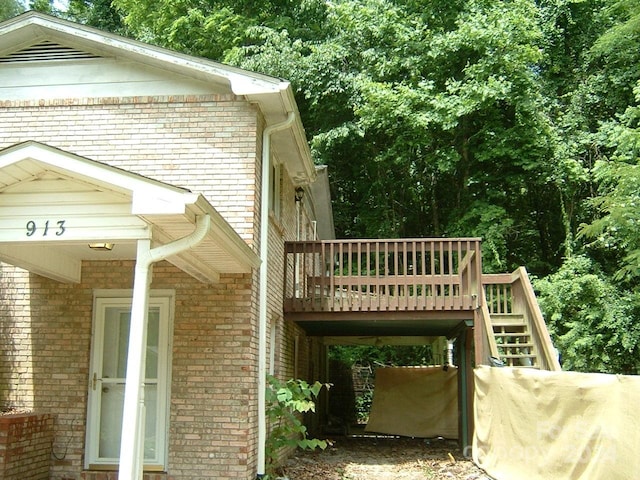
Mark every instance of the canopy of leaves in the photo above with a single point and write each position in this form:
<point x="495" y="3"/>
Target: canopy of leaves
<point x="431" y="121"/>
<point x="10" y="8"/>
<point x="386" y="355"/>
<point x="514" y="121"/>
<point x="594" y="325"/>
<point x="616" y="233"/>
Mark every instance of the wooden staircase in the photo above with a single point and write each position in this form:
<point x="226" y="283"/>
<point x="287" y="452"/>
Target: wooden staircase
<point x="514" y="340"/>
<point x="515" y="333"/>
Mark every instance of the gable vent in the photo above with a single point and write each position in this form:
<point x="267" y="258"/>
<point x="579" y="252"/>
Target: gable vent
<point x="46" y="51"/>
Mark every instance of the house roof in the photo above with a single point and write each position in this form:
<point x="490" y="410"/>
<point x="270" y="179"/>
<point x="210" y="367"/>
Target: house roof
<point x="74" y="42"/>
<point x="54" y="204"/>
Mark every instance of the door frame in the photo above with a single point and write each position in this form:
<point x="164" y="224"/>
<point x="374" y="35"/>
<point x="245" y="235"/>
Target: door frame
<point x="124" y="296"/>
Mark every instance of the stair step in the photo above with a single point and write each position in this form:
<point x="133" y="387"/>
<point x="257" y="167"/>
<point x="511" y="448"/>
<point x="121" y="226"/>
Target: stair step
<point x="519" y="355"/>
<point x="515" y="345"/>
<point x="507" y="319"/>
<point x="512" y="334"/>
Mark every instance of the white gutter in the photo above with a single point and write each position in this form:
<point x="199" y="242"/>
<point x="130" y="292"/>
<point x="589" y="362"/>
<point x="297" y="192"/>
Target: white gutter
<point x="133" y="416"/>
<point x="264" y="257"/>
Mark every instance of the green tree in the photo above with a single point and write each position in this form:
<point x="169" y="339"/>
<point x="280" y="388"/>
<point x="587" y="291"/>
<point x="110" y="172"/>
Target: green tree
<point x="593" y="324"/>
<point x="389" y="355"/>
<point x="96" y="13"/>
<point x="431" y="120"/>
<point x="44" y="6"/>
<point x="10" y="8"/>
<point x="614" y="234"/>
<point x="210" y="28"/>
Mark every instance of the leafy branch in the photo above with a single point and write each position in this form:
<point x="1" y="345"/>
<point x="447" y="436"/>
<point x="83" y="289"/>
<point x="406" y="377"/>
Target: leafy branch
<point x="285" y="401"/>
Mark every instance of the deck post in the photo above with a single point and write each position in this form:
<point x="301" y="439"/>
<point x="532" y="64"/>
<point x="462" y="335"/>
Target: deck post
<point x="464" y="343"/>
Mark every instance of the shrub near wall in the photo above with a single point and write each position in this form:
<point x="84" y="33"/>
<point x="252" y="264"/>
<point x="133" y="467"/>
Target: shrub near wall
<point x="25" y="446"/>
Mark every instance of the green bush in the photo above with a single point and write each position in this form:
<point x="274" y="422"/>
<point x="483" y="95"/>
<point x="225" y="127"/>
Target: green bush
<point x="285" y="401"/>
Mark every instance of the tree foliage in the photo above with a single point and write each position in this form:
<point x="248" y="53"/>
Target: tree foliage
<point x="594" y="325"/>
<point x="10" y="8"/>
<point x="514" y="121"/>
<point x="431" y="120"/>
<point x="97" y="13"/>
<point x="385" y="355"/>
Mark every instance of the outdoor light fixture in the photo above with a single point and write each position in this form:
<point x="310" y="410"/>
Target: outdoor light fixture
<point x="102" y="246"/>
<point x="299" y="194"/>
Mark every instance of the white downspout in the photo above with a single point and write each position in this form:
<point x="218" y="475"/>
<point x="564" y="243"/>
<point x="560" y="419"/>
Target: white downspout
<point x="133" y="415"/>
<point x="264" y="257"/>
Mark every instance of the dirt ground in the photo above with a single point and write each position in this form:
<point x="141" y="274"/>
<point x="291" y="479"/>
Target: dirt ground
<point x="383" y="458"/>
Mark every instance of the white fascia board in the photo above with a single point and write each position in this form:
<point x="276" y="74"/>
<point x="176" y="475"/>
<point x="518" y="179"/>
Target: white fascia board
<point x="300" y="137"/>
<point x="294" y="152"/>
<point x="144" y="191"/>
<point x="239" y="81"/>
<point x="151" y="201"/>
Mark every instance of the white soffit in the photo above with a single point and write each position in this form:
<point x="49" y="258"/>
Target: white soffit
<point x="53" y="204"/>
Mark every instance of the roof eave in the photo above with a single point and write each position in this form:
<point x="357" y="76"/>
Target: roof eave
<point x="274" y="96"/>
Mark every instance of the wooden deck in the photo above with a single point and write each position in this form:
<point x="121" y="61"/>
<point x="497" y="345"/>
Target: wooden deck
<point x="382" y="275"/>
<point x="415" y="287"/>
<point x="382" y="287"/>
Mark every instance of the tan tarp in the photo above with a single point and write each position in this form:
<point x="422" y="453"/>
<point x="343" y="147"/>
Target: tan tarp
<point x="415" y="402"/>
<point x="532" y="424"/>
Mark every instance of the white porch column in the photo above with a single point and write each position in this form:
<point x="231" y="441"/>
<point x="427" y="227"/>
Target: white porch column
<point x="133" y="415"/>
<point x="133" y="419"/>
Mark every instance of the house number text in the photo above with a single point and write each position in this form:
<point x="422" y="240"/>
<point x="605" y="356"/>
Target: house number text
<point x="48" y="228"/>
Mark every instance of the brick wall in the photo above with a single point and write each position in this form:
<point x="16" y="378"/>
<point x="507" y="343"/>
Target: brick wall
<point x="213" y="391"/>
<point x="281" y="230"/>
<point x="25" y="446"/>
<point x="210" y="145"/>
<point x="204" y="143"/>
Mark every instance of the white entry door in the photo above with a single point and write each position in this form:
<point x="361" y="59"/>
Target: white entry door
<point x="107" y="382"/>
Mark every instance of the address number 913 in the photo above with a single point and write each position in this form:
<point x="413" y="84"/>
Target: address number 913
<point x="49" y="228"/>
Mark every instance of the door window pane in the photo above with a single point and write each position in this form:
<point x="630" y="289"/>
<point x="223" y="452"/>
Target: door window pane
<point x="114" y="368"/>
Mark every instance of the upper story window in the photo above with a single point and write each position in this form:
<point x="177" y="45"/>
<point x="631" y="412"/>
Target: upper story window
<point x="274" y="189"/>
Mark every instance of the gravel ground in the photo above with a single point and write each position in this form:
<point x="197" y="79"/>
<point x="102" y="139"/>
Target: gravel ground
<point x="383" y="458"/>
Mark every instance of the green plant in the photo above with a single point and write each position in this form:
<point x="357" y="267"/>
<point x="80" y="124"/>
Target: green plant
<point x="285" y="402"/>
<point x="363" y="405"/>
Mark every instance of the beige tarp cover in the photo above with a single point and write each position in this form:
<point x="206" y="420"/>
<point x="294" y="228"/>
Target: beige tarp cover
<point x="532" y="424"/>
<point x="415" y="402"/>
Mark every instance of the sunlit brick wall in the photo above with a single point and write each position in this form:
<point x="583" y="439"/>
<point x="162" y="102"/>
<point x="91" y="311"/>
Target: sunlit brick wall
<point x="206" y="144"/>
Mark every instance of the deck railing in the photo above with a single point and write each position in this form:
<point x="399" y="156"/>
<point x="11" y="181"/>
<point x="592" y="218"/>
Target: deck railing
<point x="382" y="275"/>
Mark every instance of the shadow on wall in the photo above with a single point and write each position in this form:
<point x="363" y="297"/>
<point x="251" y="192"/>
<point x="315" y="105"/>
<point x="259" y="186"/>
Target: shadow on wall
<point x="9" y="350"/>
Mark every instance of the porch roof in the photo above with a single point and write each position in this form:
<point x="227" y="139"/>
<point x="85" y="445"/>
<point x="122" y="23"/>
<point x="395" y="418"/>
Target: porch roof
<point x="53" y="204"/>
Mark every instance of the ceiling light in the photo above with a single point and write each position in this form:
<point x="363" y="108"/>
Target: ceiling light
<point x="102" y="246"/>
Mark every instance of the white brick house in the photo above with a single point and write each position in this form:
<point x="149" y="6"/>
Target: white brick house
<point x="185" y="172"/>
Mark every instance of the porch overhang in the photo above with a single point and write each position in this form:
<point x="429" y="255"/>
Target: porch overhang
<point x="54" y="204"/>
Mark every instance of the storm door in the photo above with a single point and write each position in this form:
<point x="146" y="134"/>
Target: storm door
<point x="107" y="382"/>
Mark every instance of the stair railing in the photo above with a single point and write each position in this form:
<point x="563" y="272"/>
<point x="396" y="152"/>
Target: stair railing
<point x="514" y="294"/>
<point x="487" y="338"/>
<point x="525" y="299"/>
